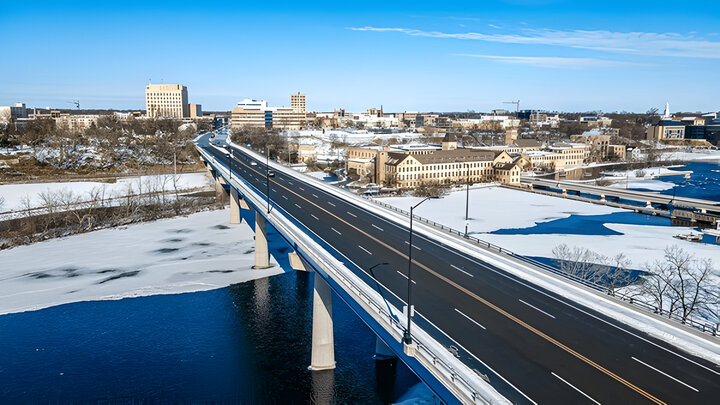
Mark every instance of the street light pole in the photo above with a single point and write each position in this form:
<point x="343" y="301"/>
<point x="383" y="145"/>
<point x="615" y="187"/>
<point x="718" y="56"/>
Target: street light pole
<point x="408" y="338"/>
<point x="267" y="176"/>
<point x="229" y="156"/>
<point x="467" y="197"/>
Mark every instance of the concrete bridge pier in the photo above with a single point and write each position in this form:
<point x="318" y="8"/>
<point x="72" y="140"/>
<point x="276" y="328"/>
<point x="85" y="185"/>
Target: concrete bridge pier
<point x="235" y="217"/>
<point x="323" y="342"/>
<point x="219" y="191"/>
<point x="648" y="204"/>
<point x="262" y="254"/>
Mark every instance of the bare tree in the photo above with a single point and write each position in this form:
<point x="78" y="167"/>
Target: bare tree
<point x="681" y="282"/>
<point x="576" y="261"/>
<point x="654" y="286"/>
<point x="612" y="272"/>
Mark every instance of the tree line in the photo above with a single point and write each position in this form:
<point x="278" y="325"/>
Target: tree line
<point x="680" y="285"/>
<point x="111" y="142"/>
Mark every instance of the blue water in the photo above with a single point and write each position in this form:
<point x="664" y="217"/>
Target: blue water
<point x="247" y="343"/>
<point x="704" y="182"/>
<point x="586" y="224"/>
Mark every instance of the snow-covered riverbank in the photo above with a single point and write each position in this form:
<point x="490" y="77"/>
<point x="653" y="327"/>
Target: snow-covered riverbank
<point x="495" y="208"/>
<point x="15" y="194"/>
<point x="194" y="253"/>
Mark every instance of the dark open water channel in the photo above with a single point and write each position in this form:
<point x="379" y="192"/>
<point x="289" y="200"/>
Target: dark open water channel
<point x="247" y="343"/>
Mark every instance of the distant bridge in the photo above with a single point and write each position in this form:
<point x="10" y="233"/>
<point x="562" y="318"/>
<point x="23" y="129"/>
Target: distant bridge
<point x="693" y="209"/>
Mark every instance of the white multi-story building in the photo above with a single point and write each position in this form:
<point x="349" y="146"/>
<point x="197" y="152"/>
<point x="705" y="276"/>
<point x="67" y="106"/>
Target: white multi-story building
<point x="77" y="122"/>
<point x="297" y="103"/>
<point x="252" y="114"/>
<point x="256" y="114"/>
<point x="166" y="100"/>
<point x="12" y="113"/>
<point x="487" y="122"/>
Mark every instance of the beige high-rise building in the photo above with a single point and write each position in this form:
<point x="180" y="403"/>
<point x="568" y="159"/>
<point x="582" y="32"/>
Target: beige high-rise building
<point x="297" y="102"/>
<point x="166" y="100"/>
<point x="195" y="110"/>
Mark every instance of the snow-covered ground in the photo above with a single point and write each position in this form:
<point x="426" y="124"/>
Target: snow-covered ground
<point x="496" y="208"/>
<point x="493" y="208"/>
<point x="14" y="194"/>
<point x="318" y="175"/>
<point x="640" y="243"/>
<point x="695" y="154"/>
<point x="654" y="185"/>
<point x="194" y="253"/>
<point x="647" y="173"/>
<point x="637" y="178"/>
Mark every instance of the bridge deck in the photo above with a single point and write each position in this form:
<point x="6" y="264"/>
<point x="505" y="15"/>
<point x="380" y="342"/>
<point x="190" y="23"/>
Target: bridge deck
<point x="546" y="347"/>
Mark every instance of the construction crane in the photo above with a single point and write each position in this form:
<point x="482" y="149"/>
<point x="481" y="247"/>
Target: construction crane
<point x="517" y="107"/>
<point x="76" y="103"/>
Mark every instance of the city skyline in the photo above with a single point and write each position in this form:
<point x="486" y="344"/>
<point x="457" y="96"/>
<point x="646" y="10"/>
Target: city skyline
<point x="551" y="55"/>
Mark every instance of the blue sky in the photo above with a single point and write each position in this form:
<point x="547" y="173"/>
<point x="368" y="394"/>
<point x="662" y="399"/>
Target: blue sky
<point x="422" y="56"/>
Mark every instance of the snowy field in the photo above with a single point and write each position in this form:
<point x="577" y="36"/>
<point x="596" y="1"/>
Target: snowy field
<point x="696" y="154"/>
<point x="15" y="193"/>
<point x="199" y="252"/>
<point x="654" y="185"/>
<point x="496" y="208"/>
<point x="318" y="175"/>
<point x="493" y="208"/>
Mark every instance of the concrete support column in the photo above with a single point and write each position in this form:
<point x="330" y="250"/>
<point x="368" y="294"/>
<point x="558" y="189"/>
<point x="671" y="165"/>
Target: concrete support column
<point x="323" y="343"/>
<point x="602" y="198"/>
<point x="235" y="217"/>
<point x="564" y="192"/>
<point x="262" y="254"/>
<point x="219" y="191"/>
<point x="382" y="351"/>
<point x="648" y="204"/>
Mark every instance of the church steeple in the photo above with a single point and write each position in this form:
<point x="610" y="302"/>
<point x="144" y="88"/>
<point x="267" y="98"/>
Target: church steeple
<point x="667" y="115"/>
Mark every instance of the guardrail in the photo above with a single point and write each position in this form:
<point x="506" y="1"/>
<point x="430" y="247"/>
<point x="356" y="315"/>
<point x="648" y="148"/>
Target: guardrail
<point x="427" y="349"/>
<point x="699" y="324"/>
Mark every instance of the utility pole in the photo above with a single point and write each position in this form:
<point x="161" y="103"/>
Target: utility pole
<point x="467" y="197"/>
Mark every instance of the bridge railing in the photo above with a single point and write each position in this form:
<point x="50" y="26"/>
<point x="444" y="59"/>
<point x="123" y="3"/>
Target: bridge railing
<point x="697" y="323"/>
<point x="383" y="304"/>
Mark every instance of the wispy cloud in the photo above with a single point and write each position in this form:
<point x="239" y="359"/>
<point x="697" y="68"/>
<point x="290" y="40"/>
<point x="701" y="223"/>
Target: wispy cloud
<point x="637" y="43"/>
<point x="551" y="61"/>
<point x="494" y="26"/>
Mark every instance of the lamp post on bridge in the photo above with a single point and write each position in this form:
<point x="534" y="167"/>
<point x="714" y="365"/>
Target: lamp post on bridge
<point x="467" y="196"/>
<point x="268" y="174"/>
<point x="231" y="156"/>
<point x="407" y="338"/>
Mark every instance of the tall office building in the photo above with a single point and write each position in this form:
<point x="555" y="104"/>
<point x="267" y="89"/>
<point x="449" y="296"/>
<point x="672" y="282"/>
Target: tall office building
<point x="166" y="100"/>
<point x="297" y="102"/>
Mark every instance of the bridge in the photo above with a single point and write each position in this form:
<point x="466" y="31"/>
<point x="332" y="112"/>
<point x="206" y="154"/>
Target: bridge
<point x="486" y="327"/>
<point x="675" y="206"/>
